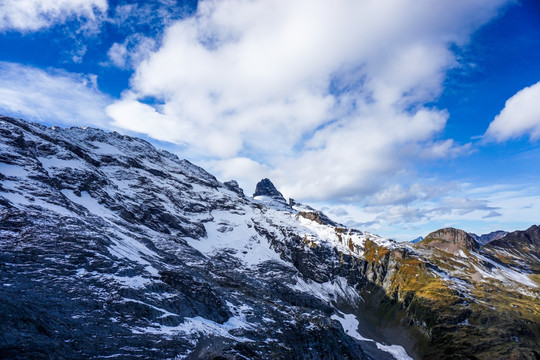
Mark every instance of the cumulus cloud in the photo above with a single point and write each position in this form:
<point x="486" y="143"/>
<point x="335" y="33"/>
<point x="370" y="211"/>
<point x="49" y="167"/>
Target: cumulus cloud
<point x="520" y="116"/>
<point x="327" y="96"/>
<point x="148" y="16"/>
<point x="31" y="15"/>
<point x="57" y="96"/>
<point x="131" y="52"/>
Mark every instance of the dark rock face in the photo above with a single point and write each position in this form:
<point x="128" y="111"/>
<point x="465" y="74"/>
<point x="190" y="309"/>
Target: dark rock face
<point x="266" y="188"/>
<point x="527" y="238"/>
<point x="520" y="248"/>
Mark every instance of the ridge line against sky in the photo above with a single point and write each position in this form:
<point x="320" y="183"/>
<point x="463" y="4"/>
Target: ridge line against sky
<point x="395" y="116"/>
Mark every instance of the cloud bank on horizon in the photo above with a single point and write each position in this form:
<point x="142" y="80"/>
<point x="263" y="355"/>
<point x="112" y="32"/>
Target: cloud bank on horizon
<point x="333" y="100"/>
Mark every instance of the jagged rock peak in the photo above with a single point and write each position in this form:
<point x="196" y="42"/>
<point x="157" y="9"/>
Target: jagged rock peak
<point x="450" y="240"/>
<point x="266" y="188"/>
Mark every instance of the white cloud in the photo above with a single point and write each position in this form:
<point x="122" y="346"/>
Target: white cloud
<point x="398" y="194"/>
<point x="51" y="96"/>
<point x="520" y="116"/>
<point x="250" y="171"/>
<point x="444" y="149"/>
<point x="118" y="54"/>
<point x="328" y="95"/>
<point x="131" y="52"/>
<point x="31" y="15"/>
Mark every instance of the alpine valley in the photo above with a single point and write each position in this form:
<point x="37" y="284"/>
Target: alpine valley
<point x="113" y="249"/>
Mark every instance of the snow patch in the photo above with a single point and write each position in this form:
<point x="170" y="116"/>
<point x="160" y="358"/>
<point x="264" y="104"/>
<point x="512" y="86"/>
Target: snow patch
<point x="54" y="162"/>
<point x="18" y="199"/>
<point x="503" y="273"/>
<point x="106" y="149"/>
<point x="200" y="325"/>
<point x="88" y="202"/>
<point x="398" y="352"/>
<point x="350" y="325"/>
<point x="235" y="231"/>
<point x="12" y="170"/>
<point x="328" y="291"/>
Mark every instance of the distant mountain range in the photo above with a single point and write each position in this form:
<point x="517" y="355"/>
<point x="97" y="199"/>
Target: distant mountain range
<point x="487" y="238"/>
<point x="482" y="239"/>
<point x="417" y="240"/>
<point x="111" y="248"/>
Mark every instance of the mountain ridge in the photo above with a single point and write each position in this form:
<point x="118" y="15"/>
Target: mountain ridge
<point x="486" y="238"/>
<point x="159" y="259"/>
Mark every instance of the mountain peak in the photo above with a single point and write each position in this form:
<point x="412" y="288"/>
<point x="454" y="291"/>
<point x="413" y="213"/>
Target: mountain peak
<point x="527" y="238"/>
<point x="450" y="240"/>
<point x="266" y="188"/>
<point x="487" y="238"/>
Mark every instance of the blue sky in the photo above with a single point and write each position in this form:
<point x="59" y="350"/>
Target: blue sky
<point x="395" y="116"/>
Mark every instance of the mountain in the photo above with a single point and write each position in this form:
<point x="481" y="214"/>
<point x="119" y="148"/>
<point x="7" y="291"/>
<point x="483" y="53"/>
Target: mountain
<point x="450" y="240"/>
<point x="519" y="248"/>
<point x="111" y="248"/>
<point x="486" y="238"/>
<point x="266" y="192"/>
<point x="417" y="240"/>
<point x="266" y="188"/>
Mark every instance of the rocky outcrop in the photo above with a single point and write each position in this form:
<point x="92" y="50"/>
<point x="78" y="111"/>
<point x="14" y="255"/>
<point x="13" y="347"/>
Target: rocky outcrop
<point x="318" y="217"/>
<point x="233" y="186"/>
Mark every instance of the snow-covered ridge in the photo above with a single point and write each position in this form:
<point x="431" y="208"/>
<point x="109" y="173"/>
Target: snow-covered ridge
<point x="150" y="246"/>
<point x="151" y="227"/>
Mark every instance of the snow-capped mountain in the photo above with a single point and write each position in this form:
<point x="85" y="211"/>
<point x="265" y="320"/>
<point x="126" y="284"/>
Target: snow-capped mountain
<point x="111" y="248"/>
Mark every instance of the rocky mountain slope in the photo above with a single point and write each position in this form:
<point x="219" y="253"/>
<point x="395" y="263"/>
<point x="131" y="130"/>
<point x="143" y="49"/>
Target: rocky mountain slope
<point x="110" y="248"/>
